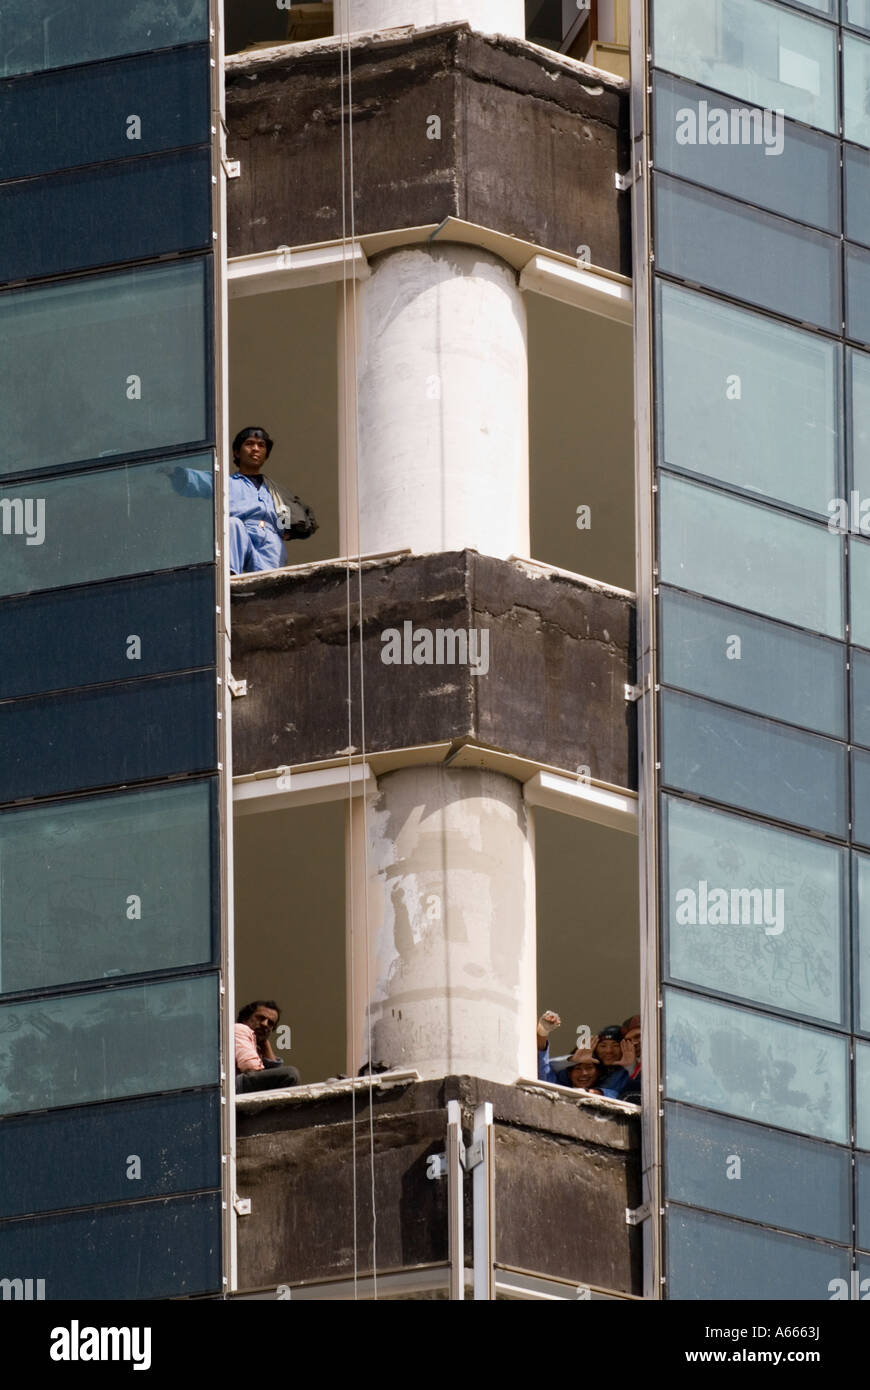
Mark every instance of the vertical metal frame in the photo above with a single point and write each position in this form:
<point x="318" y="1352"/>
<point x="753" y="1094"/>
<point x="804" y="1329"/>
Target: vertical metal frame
<point x="483" y="1201"/>
<point x="646" y="646"/>
<point x="222" y="604"/>
<point x="455" y="1202"/>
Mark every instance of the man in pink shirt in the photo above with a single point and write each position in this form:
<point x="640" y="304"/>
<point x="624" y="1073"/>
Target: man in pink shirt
<point x="257" y="1067"/>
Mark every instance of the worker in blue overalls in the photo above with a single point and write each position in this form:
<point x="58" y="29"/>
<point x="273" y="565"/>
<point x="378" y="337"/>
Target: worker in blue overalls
<point x="261" y="517"/>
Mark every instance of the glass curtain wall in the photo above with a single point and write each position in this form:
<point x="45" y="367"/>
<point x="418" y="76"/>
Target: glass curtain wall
<point x="757" y="127"/>
<point x="110" y="880"/>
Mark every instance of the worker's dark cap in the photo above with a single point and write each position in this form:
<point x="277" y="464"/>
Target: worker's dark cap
<point x="253" y="432"/>
<point x="612" y="1031"/>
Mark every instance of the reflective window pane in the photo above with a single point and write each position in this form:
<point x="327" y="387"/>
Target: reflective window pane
<point x="158" y="1250"/>
<point x="159" y="205"/>
<point x="125" y="354"/>
<point x="858" y="372"/>
<point x="797" y="1184"/>
<point x="83" y="637"/>
<point x="108" y="886"/>
<point x="711" y="1258"/>
<point x="144" y="730"/>
<point x="747" y="153"/>
<point x="108" y="1044"/>
<point x="862" y="1095"/>
<point x="758" y="52"/>
<point x="861" y="797"/>
<point x="859" y="577"/>
<point x="751" y="556"/>
<point x="857" y="12"/>
<point x="714" y="241"/>
<point x="752" y="403"/>
<point x="76" y="528"/>
<point x="751" y="763"/>
<point x="754" y="664"/>
<point x="77" y="1158"/>
<point x="863" y="1168"/>
<point x="68" y="119"/>
<point x="862" y="889"/>
<point x="861" y="698"/>
<point x="856" y="89"/>
<point x="754" y="912"/>
<point x="857" y="194"/>
<point x="858" y="293"/>
<point x="36" y="35"/>
<point x="756" y="1067"/>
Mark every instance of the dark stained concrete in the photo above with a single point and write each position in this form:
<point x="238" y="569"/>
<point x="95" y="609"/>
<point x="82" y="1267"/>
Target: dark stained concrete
<point x="529" y="142"/>
<point x="565" y="1172"/>
<point x="561" y="651"/>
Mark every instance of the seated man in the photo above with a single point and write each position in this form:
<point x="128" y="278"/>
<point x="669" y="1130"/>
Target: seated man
<point x="261" y="517"/>
<point x="257" y="1067"/>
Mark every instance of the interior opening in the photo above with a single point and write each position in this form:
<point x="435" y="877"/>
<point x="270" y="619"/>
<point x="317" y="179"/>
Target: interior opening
<point x="290" y="930"/>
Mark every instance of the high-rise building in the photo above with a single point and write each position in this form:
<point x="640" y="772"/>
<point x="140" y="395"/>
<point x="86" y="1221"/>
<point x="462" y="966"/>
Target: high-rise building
<point x="555" y="311"/>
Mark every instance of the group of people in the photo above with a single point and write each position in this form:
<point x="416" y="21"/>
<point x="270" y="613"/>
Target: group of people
<point x="609" y="1067"/>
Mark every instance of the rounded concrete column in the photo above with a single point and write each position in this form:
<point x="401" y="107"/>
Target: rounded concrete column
<point x="487" y="16"/>
<point x="441" y="385"/>
<point x="451" y="926"/>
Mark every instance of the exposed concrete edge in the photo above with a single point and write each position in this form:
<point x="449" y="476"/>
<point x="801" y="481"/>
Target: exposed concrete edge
<point x="584" y="1099"/>
<point x="253" y="59"/>
<point x="293" y="1095"/>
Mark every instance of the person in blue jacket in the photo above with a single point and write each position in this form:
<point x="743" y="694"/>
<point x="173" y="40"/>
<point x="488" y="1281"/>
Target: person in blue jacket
<point x="262" y="519"/>
<point x="583" y="1070"/>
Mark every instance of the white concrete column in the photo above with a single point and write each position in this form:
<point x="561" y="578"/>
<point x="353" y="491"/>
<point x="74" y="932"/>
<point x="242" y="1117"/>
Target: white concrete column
<point x="438" y="365"/>
<point x="449" y="973"/>
<point x="487" y="16"/>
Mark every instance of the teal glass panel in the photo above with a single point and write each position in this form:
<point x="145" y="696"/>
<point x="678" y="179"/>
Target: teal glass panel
<point x="857" y="12"/>
<point x="754" y="664"/>
<point x="863" y="1173"/>
<point x="753" y="764"/>
<point x="857" y="194"/>
<point x="859" y="580"/>
<point x="858" y="374"/>
<point x="147" y="1250"/>
<point x="37" y="35"/>
<point x="103" y="367"/>
<point x="760" y="1174"/>
<point x="160" y="205"/>
<point x="710" y="1258"/>
<point x="108" y="1044"/>
<point x="66" y="119"/>
<point x="756" y="1067"/>
<point x="76" y="528"/>
<point x="856" y="89"/>
<point x="765" y="260"/>
<point x="748" y="402"/>
<point x="755" y="912"/>
<point x="78" y="1158"/>
<point x="750" y="556"/>
<point x="749" y="154"/>
<point x="858" y="293"/>
<point x="756" y="51"/>
<point x="861" y="797"/>
<point x="862" y="1095"/>
<point x="860" y="664"/>
<point x="108" y="886"/>
<point x="862" y="890"/>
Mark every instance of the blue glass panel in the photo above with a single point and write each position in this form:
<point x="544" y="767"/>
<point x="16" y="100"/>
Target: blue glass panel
<point x="108" y="1044"/>
<point x="126" y="358"/>
<point x="141" y="627"/>
<point x="754" y="664"/>
<point x="77" y="528"/>
<point x="747" y="153"/>
<point x="108" y="886"/>
<point x="146" y="729"/>
<point x="745" y="1170"/>
<point x="765" y="260"/>
<point x="711" y="1258"/>
<point x="149" y="1250"/>
<point x="751" y="556"/>
<point x="65" y="119"/>
<point x="79" y="1158"/>
<point x="859" y="583"/>
<point x="751" y="763"/>
<point x="856" y="89"/>
<point x="858" y="370"/>
<point x="861" y="697"/>
<point x="862" y="892"/>
<point x="756" y="51"/>
<point x="858" y="293"/>
<point x="863" y="1167"/>
<point x="36" y="35"/>
<point x="861" y="797"/>
<point x="754" y="911"/>
<point x="857" y="191"/>
<point x="752" y="403"/>
<point x="862" y="1095"/>
<point x="756" y="1067"/>
<point x="158" y="205"/>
